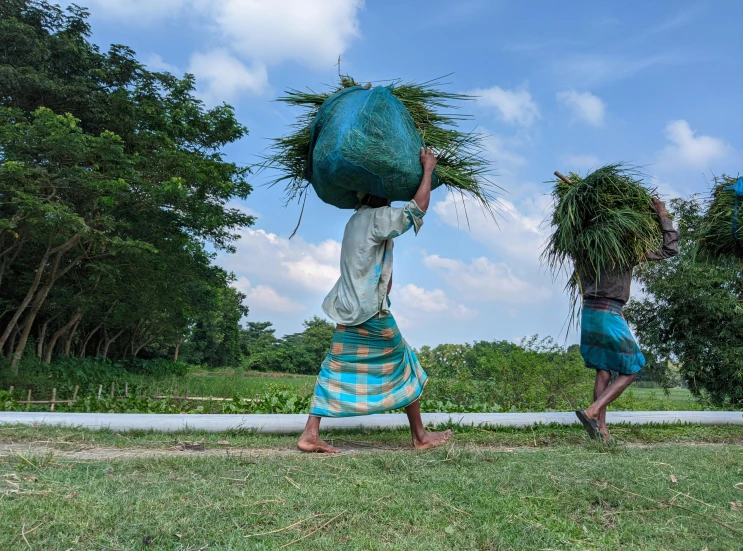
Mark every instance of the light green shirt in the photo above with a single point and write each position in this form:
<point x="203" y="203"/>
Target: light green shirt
<point x="366" y="262"/>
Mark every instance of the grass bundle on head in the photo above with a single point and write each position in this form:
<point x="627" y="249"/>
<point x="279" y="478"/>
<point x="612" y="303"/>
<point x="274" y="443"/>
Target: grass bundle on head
<point x="461" y="166"/>
<point x="721" y="234"/>
<point x="603" y="221"/>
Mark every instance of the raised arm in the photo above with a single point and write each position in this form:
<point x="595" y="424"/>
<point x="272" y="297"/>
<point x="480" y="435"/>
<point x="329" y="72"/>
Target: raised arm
<point x="422" y="197"/>
<point x="670" y="245"/>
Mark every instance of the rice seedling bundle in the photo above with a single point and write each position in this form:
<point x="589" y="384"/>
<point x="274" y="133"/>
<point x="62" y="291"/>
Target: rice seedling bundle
<point x="603" y="221"/>
<point x="352" y="139"/>
<point x="722" y="227"/>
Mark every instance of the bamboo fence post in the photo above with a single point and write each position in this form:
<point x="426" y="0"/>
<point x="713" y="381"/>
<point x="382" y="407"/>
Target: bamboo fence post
<point x="185" y="396"/>
<point x="100" y="389"/>
<point x="113" y="389"/>
<point x="74" y="394"/>
<point x="28" y="400"/>
<point x="10" y="390"/>
<point x="126" y="390"/>
<point x="157" y="392"/>
<point x="54" y="398"/>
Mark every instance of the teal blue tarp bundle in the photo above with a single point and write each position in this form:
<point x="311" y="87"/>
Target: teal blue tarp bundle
<point x="364" y="141"/>
<point x="354" y="139"/>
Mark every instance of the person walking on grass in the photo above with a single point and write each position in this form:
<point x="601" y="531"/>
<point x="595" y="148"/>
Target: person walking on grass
<point x="606" y="343"/>
<point x="370" y="368"/>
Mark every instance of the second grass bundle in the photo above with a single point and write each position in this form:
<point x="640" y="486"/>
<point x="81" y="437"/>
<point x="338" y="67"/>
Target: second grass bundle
<point x="603" y="221"/>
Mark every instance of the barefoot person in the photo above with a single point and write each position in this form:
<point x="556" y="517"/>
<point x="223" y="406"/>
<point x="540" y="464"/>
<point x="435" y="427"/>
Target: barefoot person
<point x="370" y="368"/>
<point x="606" y="343"/>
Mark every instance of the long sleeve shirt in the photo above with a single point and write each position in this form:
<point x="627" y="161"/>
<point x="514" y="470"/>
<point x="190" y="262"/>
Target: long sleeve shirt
<point x="615" y="283"/>
<point x="366" y="262"/>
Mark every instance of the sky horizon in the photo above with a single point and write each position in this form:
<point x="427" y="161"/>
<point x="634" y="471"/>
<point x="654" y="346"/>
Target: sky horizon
<point x="560" y="87"/>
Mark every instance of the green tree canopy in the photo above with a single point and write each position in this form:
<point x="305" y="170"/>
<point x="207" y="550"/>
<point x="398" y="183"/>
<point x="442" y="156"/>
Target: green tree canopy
<point x="112" y="186"/>
<point x="692" y="314"/>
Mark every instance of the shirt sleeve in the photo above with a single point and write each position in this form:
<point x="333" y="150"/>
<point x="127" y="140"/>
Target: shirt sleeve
<point x="670" y="242"/>
<point x="392" y="222"/>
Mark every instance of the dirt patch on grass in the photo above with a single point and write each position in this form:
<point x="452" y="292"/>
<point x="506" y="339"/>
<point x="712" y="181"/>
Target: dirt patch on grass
<point x="76" y="451"/>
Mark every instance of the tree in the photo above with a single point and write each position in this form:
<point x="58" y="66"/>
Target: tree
<point x="112" y="185"/>
<point x="693" y="314"/>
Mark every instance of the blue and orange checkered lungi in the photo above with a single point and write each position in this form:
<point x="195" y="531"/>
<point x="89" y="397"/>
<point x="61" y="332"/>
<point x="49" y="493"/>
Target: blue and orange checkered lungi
<point x="606" y="341"/>
<point x="369" y="369"/>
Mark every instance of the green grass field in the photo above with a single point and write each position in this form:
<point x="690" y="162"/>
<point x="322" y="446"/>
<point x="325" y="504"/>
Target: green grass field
<point x="542" y="488"/>
<point x="229" y="383"/>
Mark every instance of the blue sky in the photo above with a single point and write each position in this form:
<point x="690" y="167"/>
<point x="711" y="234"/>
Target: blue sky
<point x="561" y="85"/>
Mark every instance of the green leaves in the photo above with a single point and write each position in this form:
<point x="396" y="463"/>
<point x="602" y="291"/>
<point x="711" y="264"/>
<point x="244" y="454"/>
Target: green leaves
<point x="692" y="314"/>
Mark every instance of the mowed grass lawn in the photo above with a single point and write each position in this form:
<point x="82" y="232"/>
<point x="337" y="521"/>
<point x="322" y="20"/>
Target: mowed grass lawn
<point x="673" y="488"/>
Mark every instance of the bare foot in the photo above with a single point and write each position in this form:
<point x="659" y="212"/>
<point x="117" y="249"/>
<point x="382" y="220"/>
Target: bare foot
<point x="313" y="444"/>
<point x="431" y="440"/>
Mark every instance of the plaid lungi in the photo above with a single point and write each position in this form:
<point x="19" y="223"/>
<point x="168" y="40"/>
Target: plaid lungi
<point x="606" y="341"/>
<point x="369" y="369"/>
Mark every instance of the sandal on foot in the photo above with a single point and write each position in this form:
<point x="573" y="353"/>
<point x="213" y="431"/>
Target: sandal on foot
<point x="591" y="425"/>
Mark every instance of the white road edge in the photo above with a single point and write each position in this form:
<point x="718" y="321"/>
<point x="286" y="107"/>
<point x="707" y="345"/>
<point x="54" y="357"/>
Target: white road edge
<point x="293" y="424"/>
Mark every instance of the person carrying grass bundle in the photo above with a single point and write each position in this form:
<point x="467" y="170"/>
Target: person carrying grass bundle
<point x="606" y="343"/>
<point x="370" y="368"/>
<point x="606" y="224"/>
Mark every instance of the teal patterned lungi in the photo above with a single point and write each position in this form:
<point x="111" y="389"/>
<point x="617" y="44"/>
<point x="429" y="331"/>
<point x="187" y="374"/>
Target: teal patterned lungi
<point x="606" y="341"/>
<point x="369" y="369"/>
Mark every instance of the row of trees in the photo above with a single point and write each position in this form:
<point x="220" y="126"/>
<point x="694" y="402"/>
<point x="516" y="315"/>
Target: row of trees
<point x="692" y="313"/>
<point x="112" y="186"/>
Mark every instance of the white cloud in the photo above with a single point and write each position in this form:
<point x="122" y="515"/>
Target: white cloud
<point x="513" y="106"/>
<point x="518" y="235"/>
<point x="430" y="303"/>
<point x="296" y="268"/>
<point x="688" y="149"/>
<point x="263" y="298"/>
<point x="272" y="31"/>
<point x="155" y="62"/>
<point x="584" y="105"/>
<point x="483" y="280"/>
<point x="222" y="77"/>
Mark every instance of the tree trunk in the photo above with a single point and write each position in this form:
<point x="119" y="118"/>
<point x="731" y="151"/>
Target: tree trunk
<point x="98" y="348"/>
<point x="11" y="341"/>
<point x="26" y="300"/>
<point x="87" y="340"/>
<point x="58" y="333"/>
<point x="109" y="341"/>
<point x="177" y="349"/>
<point x="70" y="336"/>
<point x="39" y="301"/>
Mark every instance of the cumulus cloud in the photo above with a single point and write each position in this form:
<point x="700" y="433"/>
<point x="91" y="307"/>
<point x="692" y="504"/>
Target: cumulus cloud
<point x="518" y="235"/>
<point x="430" y="303"/>
<point x="264" y="299"/>
<point x="584" y="105"/>
<point x="688" y="149"/>
<point x="155" y="62"/>
<point x="512" y="105"/>
<point x="263" y="31"/>
<point x="295" y="268"/>
<point x="272" y="31"/>
<point x="222" y="77"/>
<point x="483" y="280"/>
